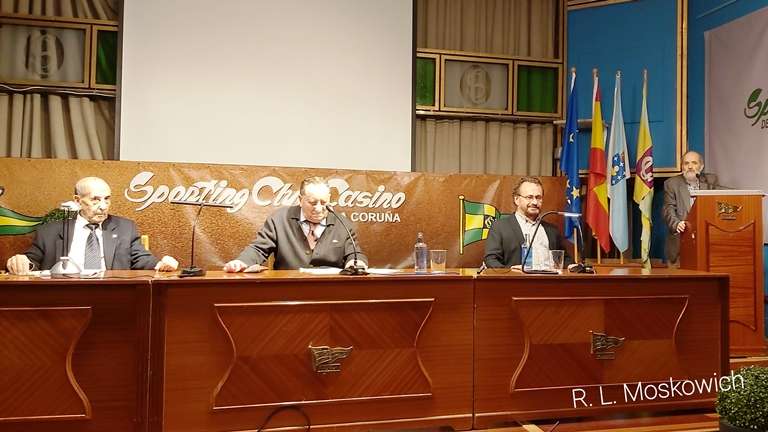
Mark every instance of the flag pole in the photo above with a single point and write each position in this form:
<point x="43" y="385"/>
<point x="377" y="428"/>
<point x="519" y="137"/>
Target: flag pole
<point x="599" y="258"/>
<point x="575" y="243"/>
<point x="599" y="252"/>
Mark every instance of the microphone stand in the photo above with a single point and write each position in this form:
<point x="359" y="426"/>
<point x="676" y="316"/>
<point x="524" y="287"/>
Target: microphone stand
<point x="581" y="266"/>
<point x="65" y="267"/>
<point x="530" y="245"/>
<point x="192" y="270"/>
<point x="356" y="269"/>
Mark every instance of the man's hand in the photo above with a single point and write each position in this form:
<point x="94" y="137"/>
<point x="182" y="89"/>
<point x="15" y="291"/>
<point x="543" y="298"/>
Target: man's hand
<point x="167" y="263"/>
<point x="235" y="266"/>
<point x="681" y="226"/>
<point x="19" y="265"/>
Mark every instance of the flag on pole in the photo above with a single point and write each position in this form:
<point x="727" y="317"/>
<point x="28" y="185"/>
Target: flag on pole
<point x="617" y="191"/>
<point x="597" y="186"/>
<point x="643" y="194"/>
<point x="569" y="160"/>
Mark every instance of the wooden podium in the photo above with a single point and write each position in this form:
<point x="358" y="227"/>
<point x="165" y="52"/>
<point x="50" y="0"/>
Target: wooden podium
<point x="727" y="237"/>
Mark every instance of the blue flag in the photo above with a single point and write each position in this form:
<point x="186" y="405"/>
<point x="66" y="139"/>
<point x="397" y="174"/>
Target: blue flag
<point x="569" y="161"/>
<point x="618" y="169"/>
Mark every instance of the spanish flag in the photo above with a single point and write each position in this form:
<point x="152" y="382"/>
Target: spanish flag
<point x="597" y="186"/>
<point x="643" y="194"/>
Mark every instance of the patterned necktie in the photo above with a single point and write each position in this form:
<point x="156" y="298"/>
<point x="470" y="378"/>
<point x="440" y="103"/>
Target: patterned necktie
<point x="92" y="249"/>
<point x="311" y="237"/>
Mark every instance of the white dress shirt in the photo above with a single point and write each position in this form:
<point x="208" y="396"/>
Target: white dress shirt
<point x="540" y="250"/>
<point x="319" y="228"/>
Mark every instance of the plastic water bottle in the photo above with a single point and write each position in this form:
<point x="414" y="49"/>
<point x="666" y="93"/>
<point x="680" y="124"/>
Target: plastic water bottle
<point x="524" y="250"/>
<point x="420" y="254"/>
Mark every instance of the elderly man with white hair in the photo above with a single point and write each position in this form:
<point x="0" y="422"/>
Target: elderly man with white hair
<point x="97" y="240"/>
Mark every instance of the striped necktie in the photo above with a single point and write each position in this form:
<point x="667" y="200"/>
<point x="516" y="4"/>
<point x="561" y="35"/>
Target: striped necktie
<point x="92" y="249"/>
<point x="311" y="237"/>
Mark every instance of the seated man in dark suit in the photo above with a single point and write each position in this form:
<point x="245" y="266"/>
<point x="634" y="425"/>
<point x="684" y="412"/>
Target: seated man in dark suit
<point x="306" y="235"/>
<point x="98" y="240"/>
<point x="506" y="236"/>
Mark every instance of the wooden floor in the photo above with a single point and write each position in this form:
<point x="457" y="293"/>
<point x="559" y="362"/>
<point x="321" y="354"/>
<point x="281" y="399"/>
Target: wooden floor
<point x="738" y="362"/>
<point x="690" y="421"/>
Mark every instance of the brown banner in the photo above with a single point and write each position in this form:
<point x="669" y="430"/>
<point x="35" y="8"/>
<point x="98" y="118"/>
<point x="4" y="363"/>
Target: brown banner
<point x="388" y="208"/>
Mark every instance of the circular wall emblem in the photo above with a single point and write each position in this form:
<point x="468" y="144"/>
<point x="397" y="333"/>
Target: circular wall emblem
<point x="45" y="53"/>
<point x="475" y="85"/>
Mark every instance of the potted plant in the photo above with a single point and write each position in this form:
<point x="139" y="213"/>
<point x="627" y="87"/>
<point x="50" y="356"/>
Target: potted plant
<point x="743" y="406"/>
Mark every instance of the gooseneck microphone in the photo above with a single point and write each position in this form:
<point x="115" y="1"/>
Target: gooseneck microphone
<point x="192" y="271"/>
<point x="530" y="244"/>
<point x="581" y="266"/>
<point x="356" y="269"/>
<point x="65" y="267"/>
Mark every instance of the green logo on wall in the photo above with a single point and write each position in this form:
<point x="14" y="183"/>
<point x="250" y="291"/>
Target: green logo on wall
<point x="756" y="109"/>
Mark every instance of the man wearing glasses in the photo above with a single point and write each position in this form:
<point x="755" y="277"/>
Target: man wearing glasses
<point x="507" y="235"/>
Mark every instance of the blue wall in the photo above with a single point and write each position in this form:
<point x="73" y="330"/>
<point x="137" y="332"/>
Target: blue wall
<point x="621" y="37"/>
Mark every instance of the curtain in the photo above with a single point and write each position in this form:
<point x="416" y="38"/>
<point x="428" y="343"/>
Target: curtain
<point x="93" y="9"/>
<point x="53" y="125"/>
<point x="483" y="147"/>
<point x="56" y="126"/>
<point x="506" y="27"/>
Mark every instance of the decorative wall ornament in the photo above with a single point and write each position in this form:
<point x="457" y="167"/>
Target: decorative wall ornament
<point x="326" y="359"/>
<point x="602" y="343"/>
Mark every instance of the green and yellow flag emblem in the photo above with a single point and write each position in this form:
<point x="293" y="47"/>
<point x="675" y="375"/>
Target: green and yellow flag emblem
<point x="12" y="223"/>
<point x="476" y="220"/>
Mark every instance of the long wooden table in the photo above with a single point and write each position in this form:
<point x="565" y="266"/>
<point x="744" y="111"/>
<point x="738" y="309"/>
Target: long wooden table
<point x="74" y="354"/>
<point x="223" y="352"/>
<point x="543" y="345"/>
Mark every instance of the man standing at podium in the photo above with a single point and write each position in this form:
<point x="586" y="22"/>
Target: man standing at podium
<point x="678" y="201"/>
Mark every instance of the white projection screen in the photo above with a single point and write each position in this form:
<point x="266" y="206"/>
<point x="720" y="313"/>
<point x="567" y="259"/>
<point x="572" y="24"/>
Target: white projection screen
<point x="302" y="83"/>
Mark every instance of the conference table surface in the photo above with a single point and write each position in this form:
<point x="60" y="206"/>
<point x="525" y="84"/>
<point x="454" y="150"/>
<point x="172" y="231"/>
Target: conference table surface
<point x="150" y="351"/>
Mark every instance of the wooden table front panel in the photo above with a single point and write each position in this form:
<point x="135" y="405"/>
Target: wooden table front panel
<point x="74" y="355"/>
<point x="237" y="348"/>
<point x="533" y="340"/>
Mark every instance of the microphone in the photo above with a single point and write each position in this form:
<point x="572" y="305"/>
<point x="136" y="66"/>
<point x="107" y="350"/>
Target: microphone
<point x="482" y="268"/>
<point x="356" y="269"/>
<point x="192" y="270"/>
<point x="70" y="206"/>
<point x="581" y="267"/>
<point x="65" y="267"/>
<point x="530" y="245"/>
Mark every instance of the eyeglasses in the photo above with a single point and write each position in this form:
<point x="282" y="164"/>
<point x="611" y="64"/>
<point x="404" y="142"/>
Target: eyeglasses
<point x="532" y="197"/>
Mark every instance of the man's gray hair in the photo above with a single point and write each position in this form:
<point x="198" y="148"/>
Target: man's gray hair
<point x="310" y="181"/>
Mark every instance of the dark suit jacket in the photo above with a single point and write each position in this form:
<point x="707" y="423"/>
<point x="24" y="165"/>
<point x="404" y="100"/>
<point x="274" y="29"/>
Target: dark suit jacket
<point x="677" y="204"/>
<point x="282" y="235"/>
<point x="122" y="245"/>
<point x="502" y="247"/>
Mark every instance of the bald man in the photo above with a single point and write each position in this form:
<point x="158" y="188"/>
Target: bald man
<point x="678" y="201"/>
<point x="97" y="240"/>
